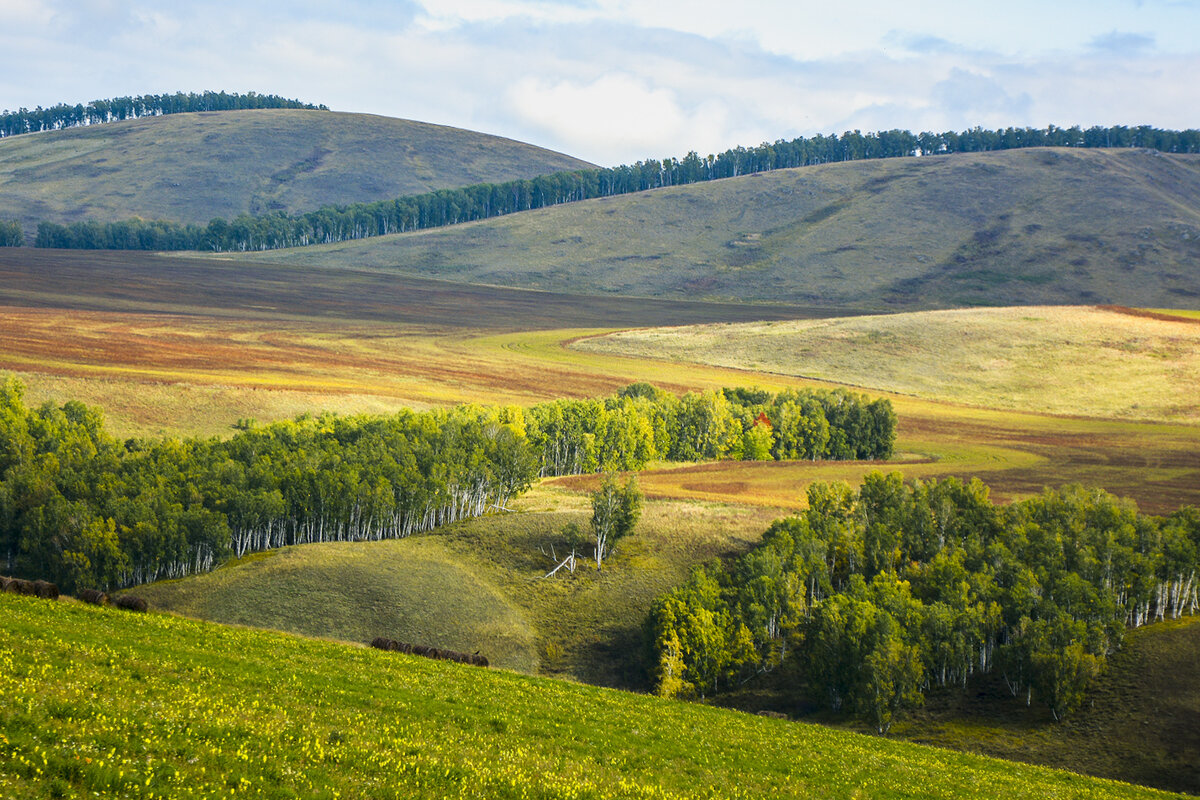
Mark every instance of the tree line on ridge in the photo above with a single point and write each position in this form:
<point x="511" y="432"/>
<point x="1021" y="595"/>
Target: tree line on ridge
<point x="339" y="223"/>
<point x="98" y="112"/>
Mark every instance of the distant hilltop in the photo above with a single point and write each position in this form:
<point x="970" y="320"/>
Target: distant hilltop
<point x="65" y="115"/>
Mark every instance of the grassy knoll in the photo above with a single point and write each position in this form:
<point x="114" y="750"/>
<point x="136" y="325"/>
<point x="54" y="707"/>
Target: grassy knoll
<point x="1002" y="228"/>
<point x="97" y="700"/>
<point x="1084" y="361"/>
<point x="193" y="167"/>
<point x="413" y="590"/>
<point x="478" y="585"/>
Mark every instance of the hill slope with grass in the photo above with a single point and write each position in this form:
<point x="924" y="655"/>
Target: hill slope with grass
<point x="1101" y="362"/>
<point x="196" y="166"/>
<point x="478" y="585"/>
<point x="413" y="590"/>
<point x="99" y="700"/>
<point x="1141" y="721"/>
<point x="1032" y="226"/>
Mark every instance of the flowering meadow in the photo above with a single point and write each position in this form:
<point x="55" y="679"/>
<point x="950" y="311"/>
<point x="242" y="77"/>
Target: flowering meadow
<point x="97" y="702"/>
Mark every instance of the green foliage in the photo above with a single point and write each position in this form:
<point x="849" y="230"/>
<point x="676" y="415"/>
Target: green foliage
<point x="80" y="508"/>
<point x="881" y="594"/>
<point x="615" y="511"/>
<point x="11" y="234"/>
<point x="643" y="424"/>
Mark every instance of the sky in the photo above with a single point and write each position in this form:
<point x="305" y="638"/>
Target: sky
<point x="616" y="81"/>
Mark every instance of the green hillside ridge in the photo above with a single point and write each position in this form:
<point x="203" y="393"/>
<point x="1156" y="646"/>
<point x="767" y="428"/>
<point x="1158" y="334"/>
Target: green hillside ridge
<point x="192" y="167"/>
<point x="1045" y="226"/>
<point x="99" y="700"/>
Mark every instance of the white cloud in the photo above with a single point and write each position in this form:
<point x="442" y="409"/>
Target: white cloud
<point x="616" y="80"/>
<point x="25" y="13"/>
<point x="619" y="114"/>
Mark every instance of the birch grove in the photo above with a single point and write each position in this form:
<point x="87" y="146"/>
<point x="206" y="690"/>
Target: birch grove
<point x="930" y="584"/>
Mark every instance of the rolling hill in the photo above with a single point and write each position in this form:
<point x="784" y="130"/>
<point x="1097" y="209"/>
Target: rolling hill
<point x="478" y="585"/>
<point x="1089" y="361"/>
<point x="1038" y="226"/>
<point x="96" y="700"/>
<point x="196" y="166"/>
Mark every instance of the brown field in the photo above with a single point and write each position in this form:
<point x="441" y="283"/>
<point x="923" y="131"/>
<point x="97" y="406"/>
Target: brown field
<point x="182" y="346"/>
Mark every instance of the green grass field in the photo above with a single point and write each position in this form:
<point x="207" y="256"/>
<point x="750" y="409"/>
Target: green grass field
<point x="193" y="167"/>
<point x="1078" y="361"/>
<point x="101" y="701"/>
<point x="1023" y="227"/>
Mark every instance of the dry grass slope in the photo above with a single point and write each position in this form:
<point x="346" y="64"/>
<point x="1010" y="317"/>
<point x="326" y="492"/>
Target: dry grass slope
<point x="1088" y="361"/>
<point x="193" y="167"/>
<point x="1006" y="228"/>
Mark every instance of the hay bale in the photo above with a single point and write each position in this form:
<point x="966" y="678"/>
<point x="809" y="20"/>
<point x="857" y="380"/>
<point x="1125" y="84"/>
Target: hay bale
<point x="380" y="643"/>
<point x="479" y="661"/>
<point x="93" y="596"/>
<point x="420" y="650"/>
<point x="45" y="590"/>
<point x="772" y="714"/>
<point x="5" y="582"/>
<point x="130" y="603"/>
<point x="21" y="586"/>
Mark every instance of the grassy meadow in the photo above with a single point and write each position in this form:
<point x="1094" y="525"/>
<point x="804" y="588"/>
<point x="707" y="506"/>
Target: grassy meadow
<point x="1067" y="360"/>
<point x="416" y="590"/>
<point x="95" y="700"/>
<point x="1023" y="227"/>
<point x="193" y="167"/>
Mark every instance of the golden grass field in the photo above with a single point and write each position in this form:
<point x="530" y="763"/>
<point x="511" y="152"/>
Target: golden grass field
<point x="1082" y="361"/>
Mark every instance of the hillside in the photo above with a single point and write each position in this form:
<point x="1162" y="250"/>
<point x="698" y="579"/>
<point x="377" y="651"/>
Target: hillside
<point x="477" y="585"/>
<point x="1148" y="693"/>
<point x="99" y="700"/>
<point x="1100" y="362"/>
<point x="193" y="167"/>
<point x="1038" y="226"/>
